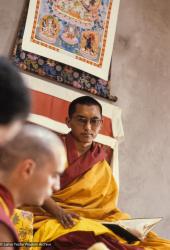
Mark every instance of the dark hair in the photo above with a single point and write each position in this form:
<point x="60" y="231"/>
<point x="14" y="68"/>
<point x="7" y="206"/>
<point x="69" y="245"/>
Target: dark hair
<point x="14" y="95"/>
<point x="83" y="100"/>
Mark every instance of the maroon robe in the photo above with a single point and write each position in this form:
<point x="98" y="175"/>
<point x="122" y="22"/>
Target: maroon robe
<point x="79" y="165"/>
<point x="6" y="196"/>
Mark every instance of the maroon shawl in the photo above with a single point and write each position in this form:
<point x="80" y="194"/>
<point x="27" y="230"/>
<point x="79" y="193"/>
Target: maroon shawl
<point x="4" y="218"/>
<point x="79" y="165"/>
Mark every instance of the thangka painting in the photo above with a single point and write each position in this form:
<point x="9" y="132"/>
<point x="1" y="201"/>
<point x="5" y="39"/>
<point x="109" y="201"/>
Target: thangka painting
<point x="79" y="33"/>
<point x="59" y="73"/>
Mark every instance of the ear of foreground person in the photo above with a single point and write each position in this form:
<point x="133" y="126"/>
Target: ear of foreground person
<point x="30" y="166"/>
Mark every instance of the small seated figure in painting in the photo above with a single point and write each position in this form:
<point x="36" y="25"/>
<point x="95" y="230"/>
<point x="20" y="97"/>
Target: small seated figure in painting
<point x="48" y="29"/>
<point x="89" y="44"/>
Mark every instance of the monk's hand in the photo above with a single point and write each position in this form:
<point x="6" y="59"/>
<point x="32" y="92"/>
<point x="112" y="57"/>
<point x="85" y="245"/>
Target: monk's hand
<point x="63" y="217"/>
<point x="66" y="218"/>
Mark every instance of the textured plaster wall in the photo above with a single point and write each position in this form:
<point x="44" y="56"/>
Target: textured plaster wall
<point x="141" y="80"/>
<point x="10" y="12"/>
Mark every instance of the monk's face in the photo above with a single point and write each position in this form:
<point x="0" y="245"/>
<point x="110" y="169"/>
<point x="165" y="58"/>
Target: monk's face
<point x="85" y="123"/>
<point x="43" y="183"/>
<point x="44" y="179"/>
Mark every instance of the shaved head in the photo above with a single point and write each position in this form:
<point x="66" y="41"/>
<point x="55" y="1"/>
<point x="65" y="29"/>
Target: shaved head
<point x="31" y="164"/>
<point x="34" y="142"/>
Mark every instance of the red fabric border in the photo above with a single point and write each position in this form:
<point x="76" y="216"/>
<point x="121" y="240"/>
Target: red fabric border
<point x="56" y="109"/>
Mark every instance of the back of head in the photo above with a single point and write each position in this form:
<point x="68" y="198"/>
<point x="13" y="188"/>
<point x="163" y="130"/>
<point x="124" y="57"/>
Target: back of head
<point x="83" y="100"/>
<point x="14" y="95"/>
<point x="34" y="142"/>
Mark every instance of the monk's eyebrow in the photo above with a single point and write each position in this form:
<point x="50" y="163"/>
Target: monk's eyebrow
<point x="94" y="117"/>
<point x="81" y="116"/>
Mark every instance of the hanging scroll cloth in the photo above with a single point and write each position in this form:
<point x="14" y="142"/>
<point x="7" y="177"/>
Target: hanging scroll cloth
<point x="57" y="72"/>
<point x="79" y="33"/>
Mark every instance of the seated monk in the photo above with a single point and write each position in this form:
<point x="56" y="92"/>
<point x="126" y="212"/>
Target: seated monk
<point x="88" y="189"/>
<point x="30" y="165"/>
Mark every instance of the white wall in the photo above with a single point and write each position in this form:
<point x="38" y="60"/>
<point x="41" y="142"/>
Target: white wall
<point x="141" y="80"/>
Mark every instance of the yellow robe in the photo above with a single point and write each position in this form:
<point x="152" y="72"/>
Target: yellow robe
<point x="93" y="196"/>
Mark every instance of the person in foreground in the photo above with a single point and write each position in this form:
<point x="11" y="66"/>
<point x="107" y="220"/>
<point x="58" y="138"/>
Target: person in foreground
<point x="30" y="165"/>
<point x="14" y="101"/>
<point x="88" y="189"/>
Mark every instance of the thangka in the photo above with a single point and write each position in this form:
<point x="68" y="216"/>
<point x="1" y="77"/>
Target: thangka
<point x="59" y="73"/>
<point x="79" y="33"/>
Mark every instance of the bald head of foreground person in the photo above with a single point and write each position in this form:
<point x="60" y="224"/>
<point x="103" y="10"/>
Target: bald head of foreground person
<point x="30" y="165"/>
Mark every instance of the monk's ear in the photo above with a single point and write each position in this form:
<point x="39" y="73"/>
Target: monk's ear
<point x="68" y="122"/>
<point x="27" y="168"/>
